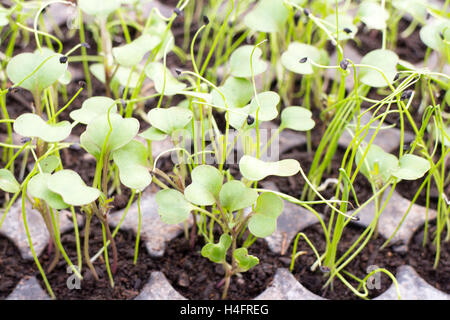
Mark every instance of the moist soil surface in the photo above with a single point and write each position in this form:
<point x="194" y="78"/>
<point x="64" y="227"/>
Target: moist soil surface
<point x="370" y="256"/>
<point x="422" y="258"/>
<point x="196" y="277"/>
<point x="12" y="267"/>
<point x="129" y="278"/>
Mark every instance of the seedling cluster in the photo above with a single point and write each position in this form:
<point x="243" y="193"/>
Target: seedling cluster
<point x="245" y="66"/>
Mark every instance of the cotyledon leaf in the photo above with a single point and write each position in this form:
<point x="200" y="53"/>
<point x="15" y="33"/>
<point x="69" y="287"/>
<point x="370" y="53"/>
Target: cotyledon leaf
<point x="8" y="182"/>
<point x="38" y="188"/>
<point x="169" y="120"/>
<point x="163" y="79"/>
<point x="72" y="188"/>
<point x="297" y="118"/>
<point x="132" y="53"/>
<point x="254" y="169"/>
<point x="93" y="107"/>
<point x="122" y="132"/>
<point x="205" y="187"/>
<point x="235" y="195"/>
<point x="263" y="222"/>
<point x="131" y="160"/>
<point x="45" y="64"/>
<point x="31" y="125"/>
<point x="267" y="16"/>
<point x="240" y="62"/>
<point x="384" y="60"/>
<point x="173" y="208"/>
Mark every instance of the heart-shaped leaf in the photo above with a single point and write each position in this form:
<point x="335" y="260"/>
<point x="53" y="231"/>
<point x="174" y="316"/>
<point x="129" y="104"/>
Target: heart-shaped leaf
<point x="100" y="8"/>
<point x="237" y="91"/>
<point x="385" y="60"/>
<point x="122" y="131"/>
<point x="373" y="15"/>
<point x="295" y="53"/>
<point x="31" y="125"/>
<point x="72" y="188"/>
<point x="153" y="134"/>
<point x="267" y="16"/>
<point x="132" y="53"/>
<point x="131" y="160"/>
<point x="244" y="260"/>
<point x="240" y="62"/>
<point x="169" y="120"/>
<point x="430" y="34"/>
<point x="217" y="252"/>
<point x="411" y="167"/>
<point x="38" y="188"/>
<point x="124" y="76"/>
<point x="46" y="64"/>
<point x="172" y="206"/>
<point x="267" y="102"/>
<point x="254" y="169"/>
<point x="234" y="196"/>
<point x="264" y="221"/>
<point x="93" y="107"/>
<point x="8" y="182"/>
<point x="205" y="186"/>
<point x="377" y="162"/>
<point x="166" y="83"/>
<point x="297" y="118"/>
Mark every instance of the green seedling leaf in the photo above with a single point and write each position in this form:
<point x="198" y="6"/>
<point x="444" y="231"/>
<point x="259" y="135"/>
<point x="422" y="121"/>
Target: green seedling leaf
<point x="411" y="167"/>
<point x="155" y="71"/>
<point x="38" y="188"/>
<point x="268" y="111"/>
<point x="373" y="15"/>
<point x="169" y="120"/>
<point x="297" y="118"/>
<point x="416" y="8"/>
<point x="430" y="34"/>
<point x="122" y="132"/>
<point x="244" y="260"/>
<point x="92" y="108"/>
<point x="254" y="169"/>
<point x="205" y="187"/>
<point x="237" y="91"/>
<point x="8" y="182"/>
<point x="379" y="162"/>
<point x="264" y="221"/>
<point x="384" y="60"/>
<point x="72" y="188"/>
<point x="49" y="164"/>
<point x="172" y="206"/>
<point x="295" y="53"/>
<point x="347" y="30"/>
<point x="123" y="76"/>
<point x="132" y="53"/>
<point x="31" y="125"/>
<point x="446" y="140"/>
<point x="153" y="134"/>
<point x="131" y="160"/>
<point x="240" y="62"/>
<point x="99" y="8"/>
<point x="22" y="65"/>
<point x="217" y="252"/>
<point x="267" y="16"/>
<point x="234" y="196"/>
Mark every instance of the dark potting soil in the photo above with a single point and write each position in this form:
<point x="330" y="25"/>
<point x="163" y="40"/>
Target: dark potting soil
<point x="12" y="267"/>
<point x="294" y="185"/>
<point x="129" y="278"/>
<point x="422" y="258"/>
<point x="371" y="255"/>
<point x="196" y="277"/>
